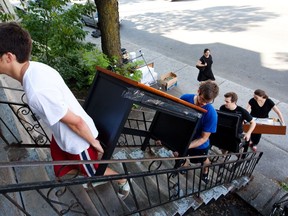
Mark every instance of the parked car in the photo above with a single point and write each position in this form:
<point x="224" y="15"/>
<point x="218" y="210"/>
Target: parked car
<point x="96" y="33"/>
<point x="90" y="19"/>
<point x="78" y="1"/>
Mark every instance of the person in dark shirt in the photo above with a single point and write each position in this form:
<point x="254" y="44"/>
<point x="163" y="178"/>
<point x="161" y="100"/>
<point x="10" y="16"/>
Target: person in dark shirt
<point x="204" y="64"/>
<point x="231" y="106"/>
<point x="260" y="106"/>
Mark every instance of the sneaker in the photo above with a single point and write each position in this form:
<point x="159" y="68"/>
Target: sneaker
<point x="94" y="184"/>
<point x="158" y="143"/>
<point x="254" y="148"/>
<point x="124" y="190"/>
<point x="205" y="178"/>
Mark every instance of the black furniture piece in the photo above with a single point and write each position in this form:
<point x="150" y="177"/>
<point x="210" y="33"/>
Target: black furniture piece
<point x="111" y="99"/>
<point x="174" y="132"/>
<point x="227" y="136"/>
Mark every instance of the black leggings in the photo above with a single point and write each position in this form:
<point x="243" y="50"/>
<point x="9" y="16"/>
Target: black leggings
<point x="255" y="138"/>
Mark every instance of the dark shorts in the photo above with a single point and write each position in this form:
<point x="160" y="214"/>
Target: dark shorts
<point x="198" y="152"/>
<point x="85" y="169"/>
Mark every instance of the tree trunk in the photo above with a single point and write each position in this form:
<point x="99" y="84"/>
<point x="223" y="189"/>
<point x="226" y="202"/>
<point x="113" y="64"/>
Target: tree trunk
<point x="108" y="18"/>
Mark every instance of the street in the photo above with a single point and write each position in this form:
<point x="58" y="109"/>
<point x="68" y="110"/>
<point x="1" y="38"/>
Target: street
<point x="247" y="39"/>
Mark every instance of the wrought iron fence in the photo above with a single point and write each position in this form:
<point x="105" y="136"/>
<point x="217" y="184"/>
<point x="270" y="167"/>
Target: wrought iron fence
<point x="19" y="125"/>
<point x="30" y="187"/>
<point x="153" y="182"/>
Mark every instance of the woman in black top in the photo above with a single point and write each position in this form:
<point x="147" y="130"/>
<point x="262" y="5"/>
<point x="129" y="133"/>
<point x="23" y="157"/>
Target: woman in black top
<point x="260" y="106"/>
<point x="204" y="64"/>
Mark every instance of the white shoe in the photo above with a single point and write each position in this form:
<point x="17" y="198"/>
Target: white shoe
<point x="124" y="190"/>
<point x="93" y="184"/>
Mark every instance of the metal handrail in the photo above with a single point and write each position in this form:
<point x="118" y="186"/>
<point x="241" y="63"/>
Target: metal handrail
<point x="175" y="183"/>
<point x="156" y="181"/>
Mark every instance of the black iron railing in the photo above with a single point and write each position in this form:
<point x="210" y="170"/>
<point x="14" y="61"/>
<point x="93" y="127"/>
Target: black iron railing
<point x="153" y="182"/>
<point x="19" y="123"/>
<point x="30" y="187"/>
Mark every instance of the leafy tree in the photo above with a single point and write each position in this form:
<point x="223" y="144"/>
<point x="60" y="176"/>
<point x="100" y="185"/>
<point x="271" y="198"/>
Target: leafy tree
<point x="58" y="29"/>
<point x="58" y="39"/>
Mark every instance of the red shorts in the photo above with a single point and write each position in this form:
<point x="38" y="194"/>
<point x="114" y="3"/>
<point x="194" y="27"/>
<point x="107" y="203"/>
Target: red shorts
<point x="85" y="169"/>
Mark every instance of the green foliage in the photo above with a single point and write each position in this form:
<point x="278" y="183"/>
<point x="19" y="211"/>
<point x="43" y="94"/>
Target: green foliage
<point x="284" y="186"/>
<point x="53" y="25"/>
<point x="4" y="17"/>
<point x="129" y="70"/>
<point x="94" y="58"/>
<point x="58" y="38"/>
<point x="59" y="41"/>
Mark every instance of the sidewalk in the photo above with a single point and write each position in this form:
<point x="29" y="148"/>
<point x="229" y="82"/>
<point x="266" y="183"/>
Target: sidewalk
<point x="272" y="169"/>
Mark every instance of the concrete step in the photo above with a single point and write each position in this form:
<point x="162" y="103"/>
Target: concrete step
<point x="7" y="120"/>
<point x="193" y="201"/>
<point x="7" y="177"/>
<point x="32" y="199"/>
<point x="261" y="200"/>
<point x="106" y="200"/>
<point x="147" y="193"/>
<point x="84" y="200"/>
<point x="174" y="207"/>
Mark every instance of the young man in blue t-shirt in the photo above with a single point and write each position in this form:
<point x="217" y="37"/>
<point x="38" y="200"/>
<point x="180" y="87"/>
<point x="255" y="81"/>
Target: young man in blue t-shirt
<point x="207" y="92"/>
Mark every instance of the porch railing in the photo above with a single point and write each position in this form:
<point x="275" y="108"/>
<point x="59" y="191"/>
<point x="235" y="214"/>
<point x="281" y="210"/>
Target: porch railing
<point x="153" y="182"/>
<point x="30" y="186"/>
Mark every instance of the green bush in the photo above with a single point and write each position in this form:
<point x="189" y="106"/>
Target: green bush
<point x="58" y="38"/>
<point x="6" y="17"/>
<point x="284" y="186"/>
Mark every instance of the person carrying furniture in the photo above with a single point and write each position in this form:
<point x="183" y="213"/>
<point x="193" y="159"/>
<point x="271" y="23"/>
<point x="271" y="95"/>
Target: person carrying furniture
<point x="74" y="133"/>
<point x="204" y="98"/>
<point x="230" y="106"/>
<point x="259" y="107"/>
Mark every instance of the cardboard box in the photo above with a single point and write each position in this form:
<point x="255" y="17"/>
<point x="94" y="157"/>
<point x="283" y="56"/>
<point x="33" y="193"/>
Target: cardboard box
<point x="168" y="80"/>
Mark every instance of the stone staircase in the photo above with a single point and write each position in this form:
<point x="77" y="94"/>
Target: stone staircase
<point x="153" y="194"/>
<point x="102" y="199"/>
<point x="180" y="207"/>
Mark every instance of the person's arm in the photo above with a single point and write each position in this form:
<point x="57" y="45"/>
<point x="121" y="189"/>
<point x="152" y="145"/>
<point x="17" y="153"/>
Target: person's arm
<point x="80" y="127"/>
<point x="276" y="110"/>
<point x="197" y="142"/>
<point x="249" y="132"/>
<point x="199" y="63"/>
<point x="248" y="108"/>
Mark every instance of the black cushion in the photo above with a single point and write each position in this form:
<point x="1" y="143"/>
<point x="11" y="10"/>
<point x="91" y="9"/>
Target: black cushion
<point x="226" y="136"/>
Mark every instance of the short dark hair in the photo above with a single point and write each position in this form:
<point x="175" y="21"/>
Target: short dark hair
<point x="15" y="39"/>
<point x="205" y="50"/>
<point x="209" y="90"/>
<point x="232" y="95"/>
